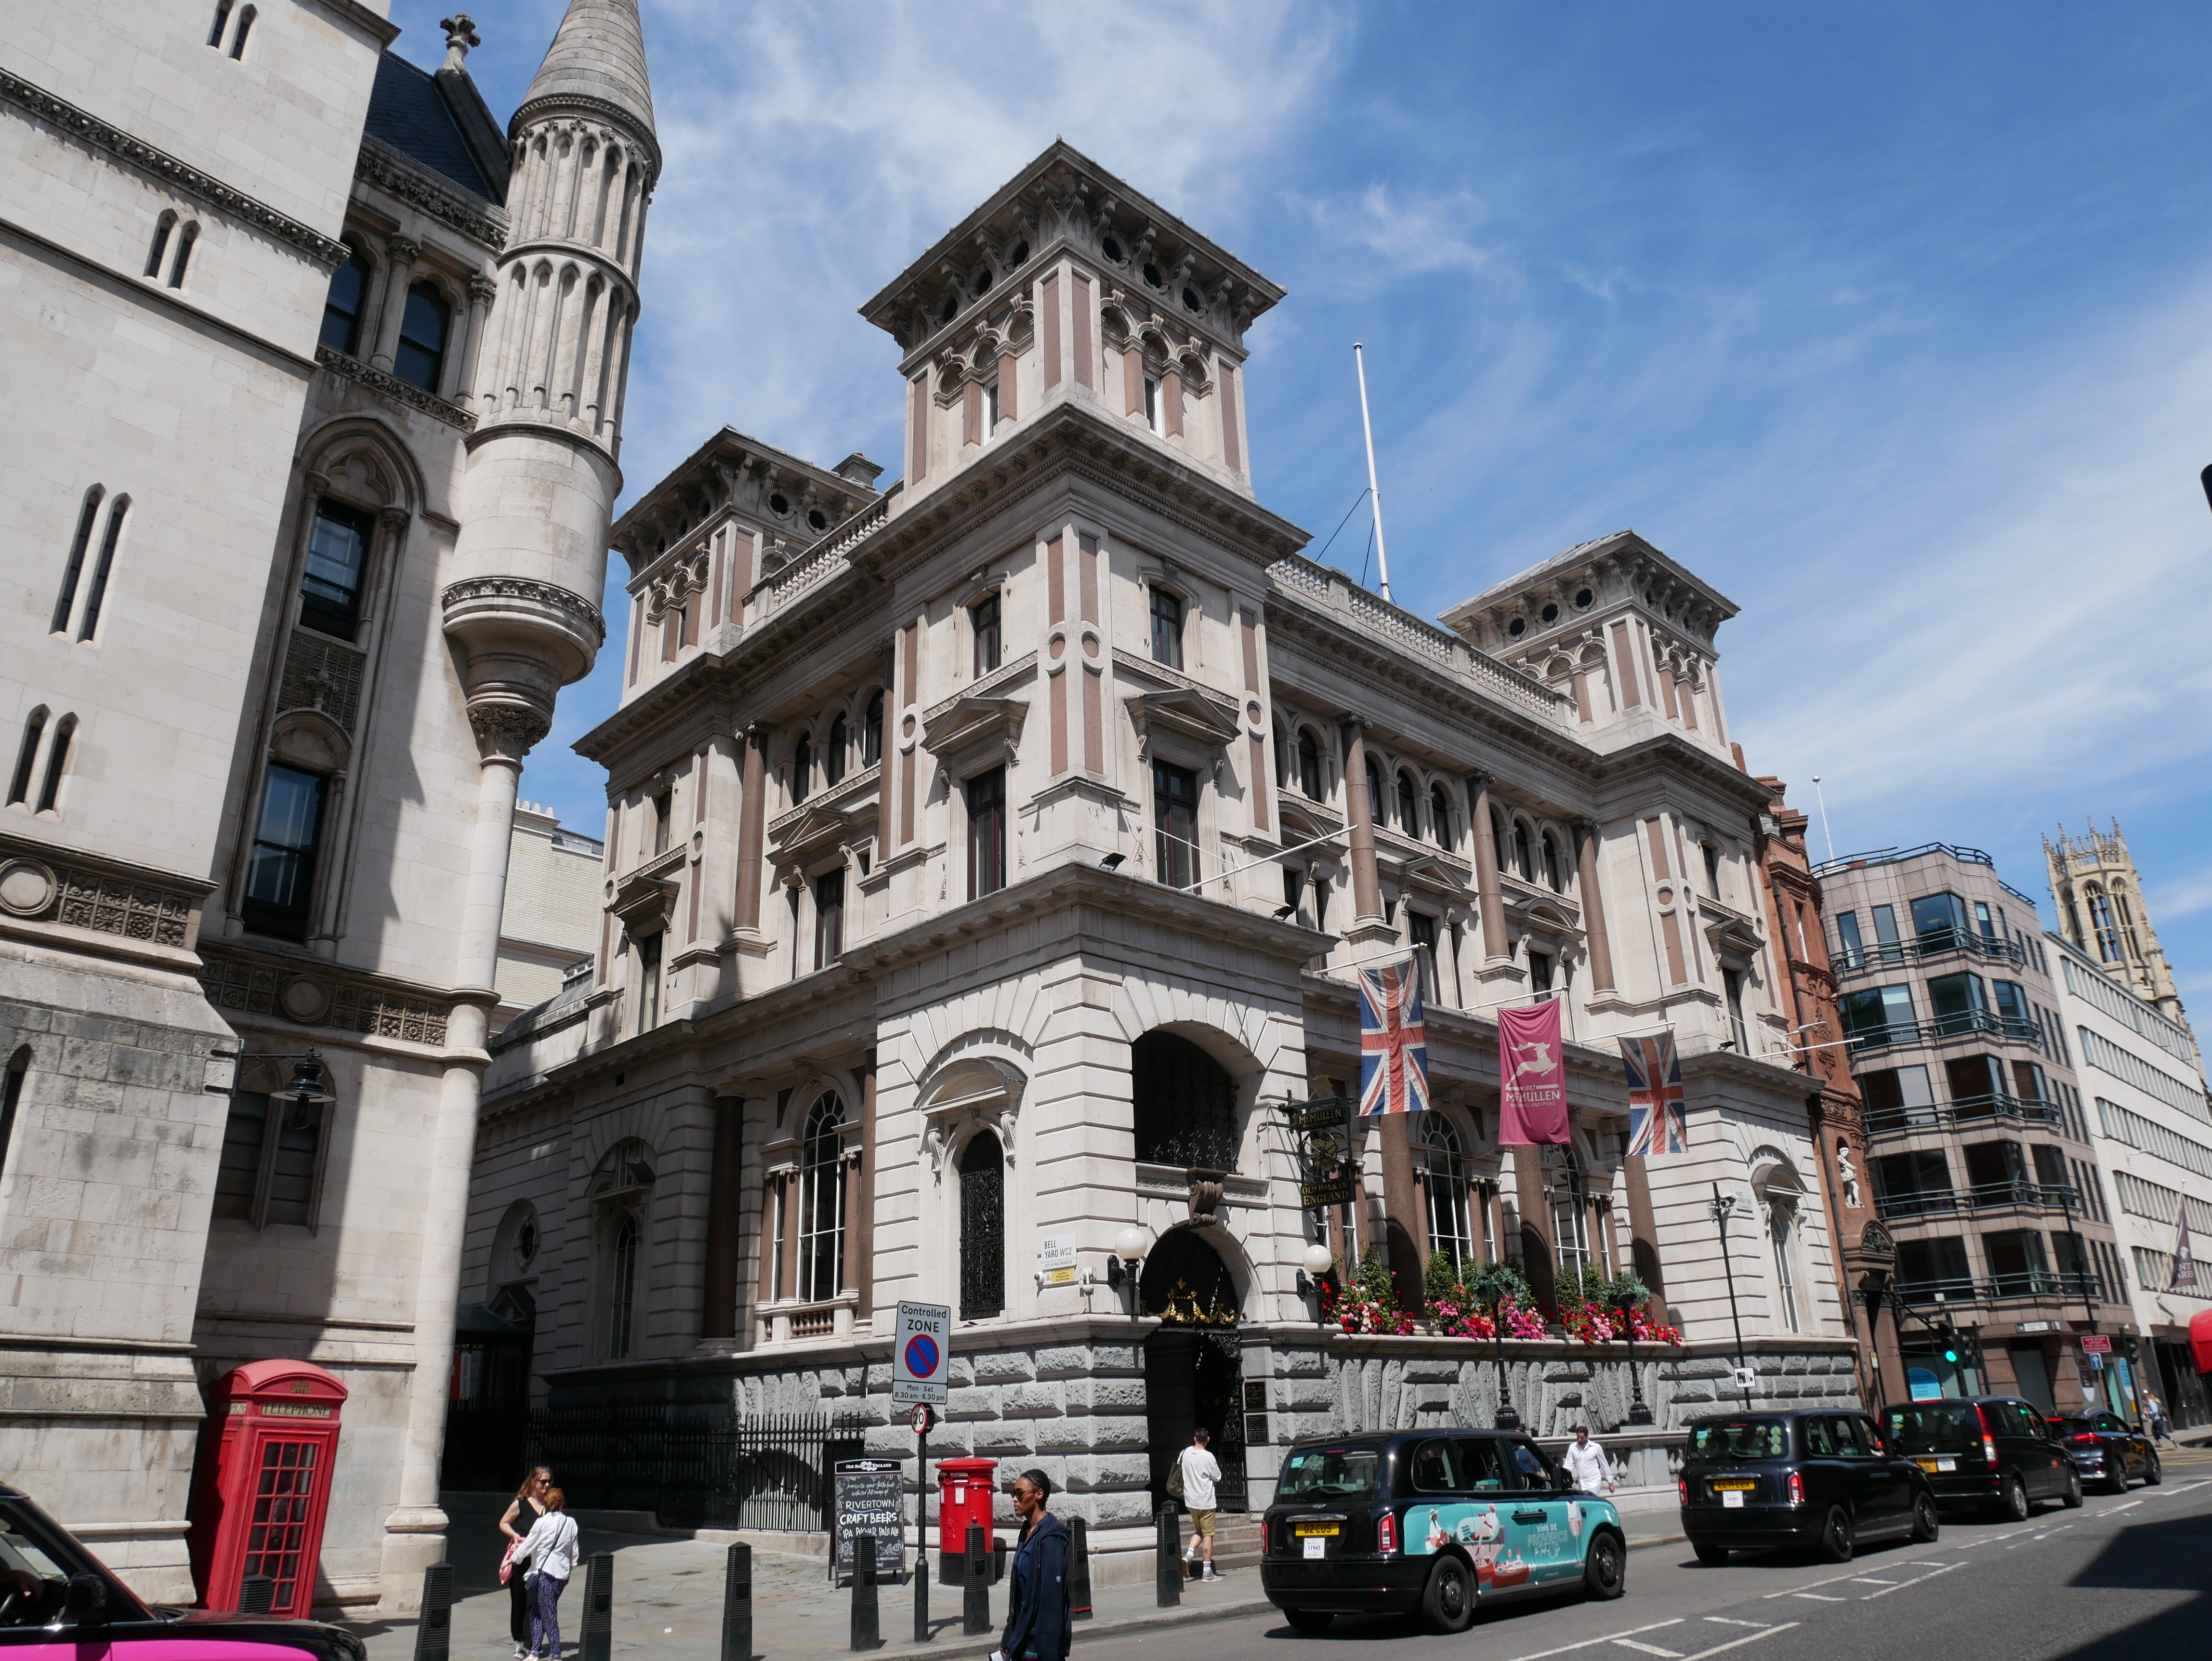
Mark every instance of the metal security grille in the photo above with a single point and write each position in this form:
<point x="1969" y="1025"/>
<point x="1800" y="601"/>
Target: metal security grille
<point x="283" y="1500"/>
<point x="982" y="1228"/>
<point x="696" y="1466"/>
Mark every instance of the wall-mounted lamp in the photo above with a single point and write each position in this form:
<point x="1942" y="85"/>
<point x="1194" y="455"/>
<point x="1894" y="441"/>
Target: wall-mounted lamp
<point x="308" y="1088"/>
<point x="1318" y="1261"/>
<point x="1112" y="861"/>
<point x="1121" y="1267"/>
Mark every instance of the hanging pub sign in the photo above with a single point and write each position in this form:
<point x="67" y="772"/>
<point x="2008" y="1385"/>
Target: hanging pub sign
<point x="1321" y="1128"/>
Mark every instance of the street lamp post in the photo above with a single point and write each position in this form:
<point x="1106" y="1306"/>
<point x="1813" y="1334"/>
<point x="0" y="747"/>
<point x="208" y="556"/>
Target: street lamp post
<point x="1638" y="1412"/>
<point x="1721" y="1206"/>
<point x="1505" y="1418"/>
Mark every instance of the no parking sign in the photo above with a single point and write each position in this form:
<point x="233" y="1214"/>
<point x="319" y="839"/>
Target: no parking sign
<point x="921" y="1346"/>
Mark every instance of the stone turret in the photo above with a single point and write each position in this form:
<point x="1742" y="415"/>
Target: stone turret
<point x="2101" y="911"/>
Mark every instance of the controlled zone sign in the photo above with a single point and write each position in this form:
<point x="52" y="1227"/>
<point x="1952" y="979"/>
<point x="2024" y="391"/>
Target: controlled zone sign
<point x="921" y="1351"/>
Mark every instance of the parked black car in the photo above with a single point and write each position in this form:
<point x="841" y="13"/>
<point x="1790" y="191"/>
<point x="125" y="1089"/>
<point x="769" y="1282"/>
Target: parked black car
<point x="1437" y="1521"/>
<point x="1985" y="1450"/>
<point x="1806" y="1478"/>
<point x="2107" y="1451"/>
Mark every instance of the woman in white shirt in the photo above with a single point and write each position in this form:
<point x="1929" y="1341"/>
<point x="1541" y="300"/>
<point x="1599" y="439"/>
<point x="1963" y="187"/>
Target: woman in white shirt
<point x="549" y="1553"/>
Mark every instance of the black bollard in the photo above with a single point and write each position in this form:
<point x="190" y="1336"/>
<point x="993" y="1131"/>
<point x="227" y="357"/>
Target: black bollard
<point x="1167" y="1568"/>
<point x="976" y="1584"/>
<point x="599" y="1642"/>
<point x="256" y="1592"/>
<point x="1079" y="1569"/>
<point x="433" y="1627"/>
<point x="737" y="1606"/>
<point x="867" y="1625"/>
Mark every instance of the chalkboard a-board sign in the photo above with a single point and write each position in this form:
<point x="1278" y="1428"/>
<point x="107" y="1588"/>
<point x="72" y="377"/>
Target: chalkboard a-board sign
<point x="870" y="1500"/>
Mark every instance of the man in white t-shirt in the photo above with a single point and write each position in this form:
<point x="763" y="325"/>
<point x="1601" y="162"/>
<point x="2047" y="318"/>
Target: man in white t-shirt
<point x="1591" y="1471"/>
<point x="1201" y="1472"/>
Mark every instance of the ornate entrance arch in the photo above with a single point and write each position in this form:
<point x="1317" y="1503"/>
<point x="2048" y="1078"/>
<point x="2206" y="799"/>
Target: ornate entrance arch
<point x="1193" y="1363"/>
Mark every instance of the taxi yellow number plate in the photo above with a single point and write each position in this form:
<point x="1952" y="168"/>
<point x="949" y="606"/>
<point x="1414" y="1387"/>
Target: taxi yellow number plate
<point x="1736" y="1485"/>
<point x="1314" y="1530"/>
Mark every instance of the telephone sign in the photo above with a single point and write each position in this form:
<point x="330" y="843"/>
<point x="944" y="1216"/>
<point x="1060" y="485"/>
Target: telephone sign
<point x="921" y="1346"/>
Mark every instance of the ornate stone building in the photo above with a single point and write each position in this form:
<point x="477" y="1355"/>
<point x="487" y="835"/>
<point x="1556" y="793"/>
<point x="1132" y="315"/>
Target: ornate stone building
<point x="983" y="858"/>
<point x="2102" y="915"/>
<point x="333" y="623"/>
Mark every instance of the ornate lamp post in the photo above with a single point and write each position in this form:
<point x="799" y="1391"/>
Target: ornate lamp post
<point x="1623" y="1302"/>
<point x="1506" y="1418"/>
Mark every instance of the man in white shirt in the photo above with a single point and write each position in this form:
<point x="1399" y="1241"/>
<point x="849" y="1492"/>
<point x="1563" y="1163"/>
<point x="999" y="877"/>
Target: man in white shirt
<point x="1201" y="1472"/>
<point x="1591" y="1471"/>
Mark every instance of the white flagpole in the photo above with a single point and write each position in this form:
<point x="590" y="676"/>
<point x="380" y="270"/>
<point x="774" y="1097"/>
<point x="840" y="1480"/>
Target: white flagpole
<point x="1374" y="493"/>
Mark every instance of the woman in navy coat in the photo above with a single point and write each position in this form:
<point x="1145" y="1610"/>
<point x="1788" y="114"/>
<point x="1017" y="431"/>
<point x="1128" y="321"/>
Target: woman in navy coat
<point x="1039" y="1625"/>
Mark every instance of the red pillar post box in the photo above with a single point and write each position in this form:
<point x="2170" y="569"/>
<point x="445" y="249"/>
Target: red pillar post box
<point x="261" y="1497"/>
<point x="965" y="1489"/>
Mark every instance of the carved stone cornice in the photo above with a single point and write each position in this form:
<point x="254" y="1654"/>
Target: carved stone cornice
<point x="399" y="175"/>
<point x="507" y="732"/>
<point x="603" y="109"/>
<point x="316" y="995"/>
<point x="551" y="596"/>
<point x="167" y="171"/>
<point x="392" y="386"/>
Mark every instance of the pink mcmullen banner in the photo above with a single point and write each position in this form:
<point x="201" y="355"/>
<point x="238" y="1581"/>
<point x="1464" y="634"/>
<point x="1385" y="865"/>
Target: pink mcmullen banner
<point x="1532" y="1075"/>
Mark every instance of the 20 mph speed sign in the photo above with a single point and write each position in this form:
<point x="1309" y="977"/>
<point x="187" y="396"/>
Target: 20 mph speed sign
<point x="921" y="1346"/>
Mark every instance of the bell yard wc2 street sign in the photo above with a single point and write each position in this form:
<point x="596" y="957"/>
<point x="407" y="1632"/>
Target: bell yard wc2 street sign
<point x="921" y="1352"/>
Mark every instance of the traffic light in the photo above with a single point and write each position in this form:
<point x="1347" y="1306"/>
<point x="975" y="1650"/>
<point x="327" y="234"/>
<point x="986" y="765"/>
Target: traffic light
<point x="1950" y="1345"/>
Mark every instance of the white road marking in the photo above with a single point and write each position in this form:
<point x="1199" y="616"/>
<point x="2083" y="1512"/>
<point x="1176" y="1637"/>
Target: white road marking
<point x="2117" y="1510"/>
<point x="1945" y="1569"/>
<point x="1756" y="1626"/>
<point x="1738" y="1643"/>
<point x="1868" y="1581"/>
<point x="1818" y="1597"/>
<point x="1649" y="1649"/>
<point x="1610" y="1638"/>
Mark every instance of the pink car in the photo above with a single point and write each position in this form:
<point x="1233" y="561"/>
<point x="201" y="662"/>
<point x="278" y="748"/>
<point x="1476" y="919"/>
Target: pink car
<point x="58" y="1601"/>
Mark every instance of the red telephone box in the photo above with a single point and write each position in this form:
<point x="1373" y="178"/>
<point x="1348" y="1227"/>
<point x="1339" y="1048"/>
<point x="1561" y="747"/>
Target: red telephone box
<point x="261" y="1497"/>
<point x="965" y="1489"/>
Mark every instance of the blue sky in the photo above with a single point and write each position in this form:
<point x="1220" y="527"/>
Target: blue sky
<point x="1894" y="324"/>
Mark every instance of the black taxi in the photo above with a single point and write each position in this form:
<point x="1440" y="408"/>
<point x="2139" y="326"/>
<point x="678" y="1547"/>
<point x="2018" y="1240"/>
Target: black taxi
<point x="1433" y="1521"/>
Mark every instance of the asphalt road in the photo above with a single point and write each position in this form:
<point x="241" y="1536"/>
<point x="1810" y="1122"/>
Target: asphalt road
<point x="2126" y="1577"/>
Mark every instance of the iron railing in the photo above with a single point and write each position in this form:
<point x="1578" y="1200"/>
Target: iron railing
<point x="1968" y="1110"/>
<point x="2039" y="1283"/>
<point x="696" y="1466"/>
<point x="1965" y="1025"/>
<point x="1924" y="948"/>
<point x="1983" y="1196"/>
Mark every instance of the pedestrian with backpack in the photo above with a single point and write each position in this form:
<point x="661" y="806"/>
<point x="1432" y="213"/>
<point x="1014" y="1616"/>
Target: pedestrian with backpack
<point x="1193" y="1480"/>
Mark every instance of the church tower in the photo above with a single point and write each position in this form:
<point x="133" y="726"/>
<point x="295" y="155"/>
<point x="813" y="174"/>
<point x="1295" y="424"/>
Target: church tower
<point x="2101" y="911"/>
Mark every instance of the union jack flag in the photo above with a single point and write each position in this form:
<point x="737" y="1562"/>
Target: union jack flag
<point x="1656" y="1124"/>
<point x="1394" y="1042"/>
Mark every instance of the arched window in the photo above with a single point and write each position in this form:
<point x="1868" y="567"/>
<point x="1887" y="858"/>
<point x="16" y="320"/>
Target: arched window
<point x="342" y="306"/>
<point x="221" y="18"/>
<point x="79" y="546"/>
<point x="98" y="594"/>
<point x="1552" y="877"/>
<point x="57" y="763"/>
<point x="421" y="355"/>
<point x="162" y="227"/>
<point x="1408" y="815"/>
<point x="833" y="754"/>
<point x="1450" y="1215"/>
<point x="982" y="1227"/>
<point x="1781" y="1225"/>
<point x="245" y="28"/>
<point x="191" y="235"/>
<point x="802" y="769"/>
<point x="1378" y="805"/>
<point x="871" y="732"/>
<point x="1310" y="782"/>
<point x="2100" y="919"/>
<point x="18" y="782"/>
<point x="337" y="561"/>
<point x="1440" y="820"/>
<point x="1185" y="1105"/>
<point x="821" y="1202"/>
<point x="621" y="1288"/>
<point x="1523" y="861"/>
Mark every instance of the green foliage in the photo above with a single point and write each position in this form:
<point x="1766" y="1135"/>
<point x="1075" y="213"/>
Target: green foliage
<point x="1375" y="1280"/>
<point x="1492" y="1283"/>
<point x="1628" y="1288"/>
<point x="1440" y="1281"/>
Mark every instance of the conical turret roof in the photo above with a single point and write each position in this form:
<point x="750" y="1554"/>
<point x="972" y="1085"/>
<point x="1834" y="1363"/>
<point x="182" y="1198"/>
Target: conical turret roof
<point x="597" y="53"/>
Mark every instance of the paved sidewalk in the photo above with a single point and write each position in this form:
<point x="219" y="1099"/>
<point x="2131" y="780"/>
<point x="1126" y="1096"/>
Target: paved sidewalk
<point x="668" y="1602"/>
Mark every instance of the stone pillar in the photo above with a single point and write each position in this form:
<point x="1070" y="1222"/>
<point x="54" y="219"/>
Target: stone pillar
<point x="400" y="254"/>
<point x="718" y="1322"/>
<point x="461" y="366"/>
<point x="1367" y="922"/>
<point x="1535" y="1203"/>
<point x="1600" y="945"/>
<point x="1496" y="952"/>
<point x="752" y="830"/>
<point x="1644" y="1234"/>
<point x="415" y="1530"/>
<point x="1405" y="1235"/>
<point x="861" y="1225"/>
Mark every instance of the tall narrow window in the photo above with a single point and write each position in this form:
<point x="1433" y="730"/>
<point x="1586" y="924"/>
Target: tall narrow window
<point x="1408" y="814"/>
<point x="1554" y="879"/>
<point x="1421" y="931"/>
<point x="982" y="1227"/>
<point x="80" y="545"/>
<point x="1167" y="627"/>
<point x="1440" y="823"/>
<point x="342" y="306"/>
<point x="57" y="755"/>
<point x="871" y="732"/>
<point x="221" y="18"/>
<point x="821" y="1202"/>
<point x="11" y="1100"/>
<point x="1450" y="1217"/>
<point x="97" y="595"/>
<point x="1539" y="972"/>
<point x="185" y="239"/>
<point x="802" y="769"/>
<point x="833" y="757"/>
<point x="1712" y="869"/>
<point x="984" y="616"/>
<point x="245" y="28"/>
<point x="1310" y="780"/>
<point x="648" y="982"/>
<point x="990" y="406"/>
<point x="1152" y="403"/>
<point x="1853" y="955"/>
<point x="987" y="833"/>
<point x="621" y="1288"/>
<point x="663" y="808"/>
<point x="1780" y="1226"/>
<point x="829" y="917"/>
<point x="1378" y="805"/>
<point x="1174" y="823"/>
<point x="1732" y="979"/>
<point x="26" y="755"/>
<point x="280" y="870"/>
<point x="162" y="228"/>
<point x="421" y="355"/>
<point x="1571" y="1217"/>
<point x="1523" y="860"/>
<point x="338" y="558"/>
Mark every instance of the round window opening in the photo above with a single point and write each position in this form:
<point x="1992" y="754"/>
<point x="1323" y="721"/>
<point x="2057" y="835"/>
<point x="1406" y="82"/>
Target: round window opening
<point x="1191" y="302"/>
<point x="779" y="503"/>
<point x="983" y="284"/>
<point x="525" y="1241"/>
<point x="1583" y="599"/>
<point x="1153" y="275"/>
<point x="819" y="520"/>
<point x="1021" y="253"/>
<point x="1110" y="247"/>
<point x="951" y="305"/>
<point x="1551" y="614"/>
<point x="1519" y="626"/>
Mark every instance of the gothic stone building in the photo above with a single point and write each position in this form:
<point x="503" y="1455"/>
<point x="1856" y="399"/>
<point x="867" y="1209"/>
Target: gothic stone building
<point x="316" y="438"/>
<point x="981" y="857"/>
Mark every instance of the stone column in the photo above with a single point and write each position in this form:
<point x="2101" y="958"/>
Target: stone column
<point x="415" y="1530"/>
<point x="400" y="254"/>
<point x="1644" y="1234"/>
<point x="1405" y="1235"/>
<point x="717" y="1323"/>
<point x="461" y="375"/>
<point x="1496" y="952"/>
<point x="1367" y="922"/>
<point x="1535" y="1203"/>
<point x="751" y="831"/>
<point x="1600" y="945"/>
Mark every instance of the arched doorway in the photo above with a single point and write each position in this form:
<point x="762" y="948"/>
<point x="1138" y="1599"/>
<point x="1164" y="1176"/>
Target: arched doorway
<point x="1194" y="1365"/>
<point x="1185" y="1105"/>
